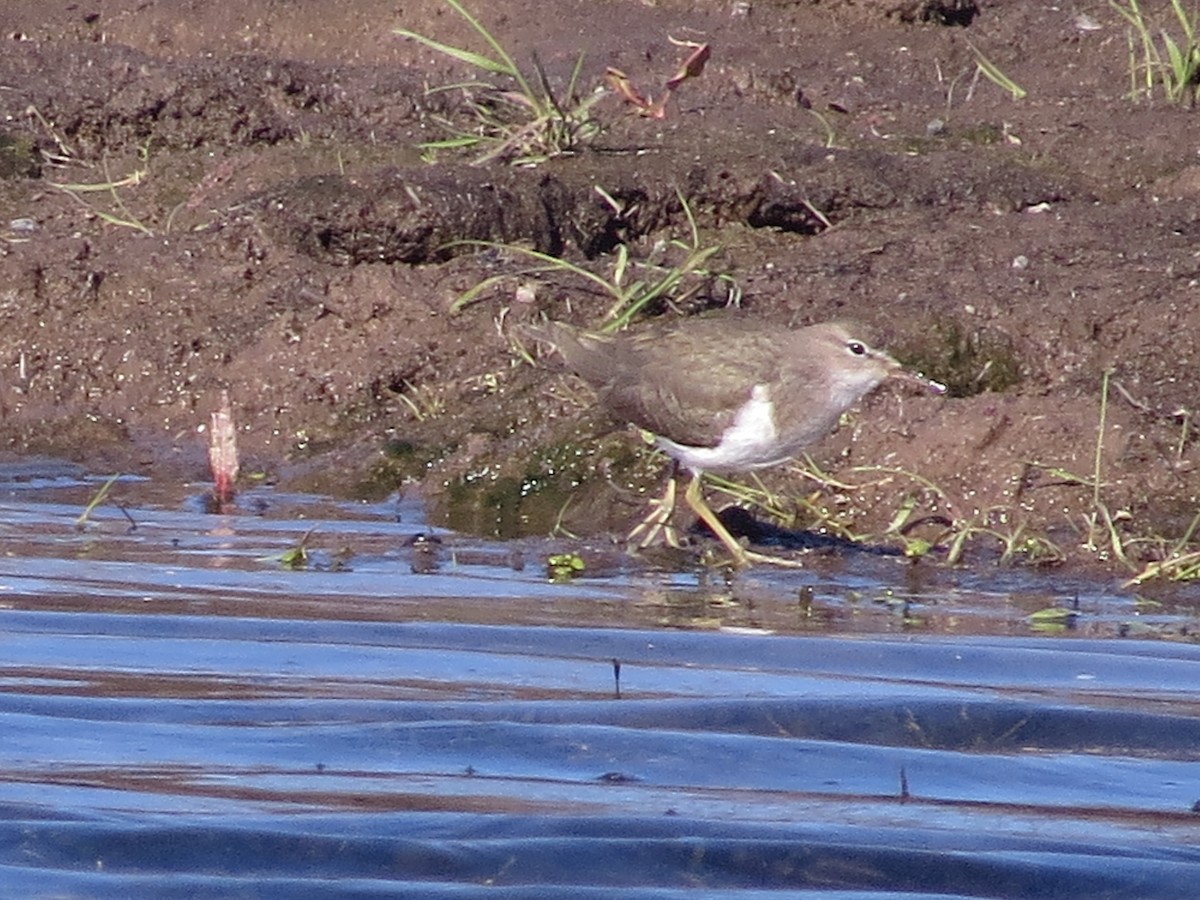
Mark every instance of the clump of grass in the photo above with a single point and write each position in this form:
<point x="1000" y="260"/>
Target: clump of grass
<point x="123" y="218"/>
<point x="1157" y="58"/>
<point x="1017" y="542"/>
<point x="634" y="286"/>
<point x="296" y="557"/>
<point x="1175" y="563"/>
<point x="81" y="191"/>
<point x="1106" y="533"/>
<point x="423" y="402"/>
<point x="564" y="567"/>
<point x="818" y="511"/>
<point x="526" y="124"/>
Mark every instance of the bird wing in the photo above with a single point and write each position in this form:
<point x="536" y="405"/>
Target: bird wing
<point x="689" y="384"/>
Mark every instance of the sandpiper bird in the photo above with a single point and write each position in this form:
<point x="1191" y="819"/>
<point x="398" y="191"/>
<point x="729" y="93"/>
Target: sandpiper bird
<point x="726" y="394"/>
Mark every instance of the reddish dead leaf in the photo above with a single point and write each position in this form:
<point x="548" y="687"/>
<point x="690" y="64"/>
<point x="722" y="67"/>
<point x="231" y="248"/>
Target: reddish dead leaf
<point x="693" y="66"/>
<point x="620" y="83"/>
<point x="223" y="454"/>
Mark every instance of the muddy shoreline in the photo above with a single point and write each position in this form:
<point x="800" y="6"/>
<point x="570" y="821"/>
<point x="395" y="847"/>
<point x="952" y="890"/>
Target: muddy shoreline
<point x="269" y="226"/>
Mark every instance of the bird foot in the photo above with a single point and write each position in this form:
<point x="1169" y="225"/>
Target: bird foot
<point x="744" y="558"/>
<point x="657" y="523"/>
<point x="766" y="559"/>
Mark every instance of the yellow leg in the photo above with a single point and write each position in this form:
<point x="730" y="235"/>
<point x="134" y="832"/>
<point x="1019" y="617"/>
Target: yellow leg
<point x="658" y="521"/>
<point x="695" y="499"/>
<point x="741" y="556"/>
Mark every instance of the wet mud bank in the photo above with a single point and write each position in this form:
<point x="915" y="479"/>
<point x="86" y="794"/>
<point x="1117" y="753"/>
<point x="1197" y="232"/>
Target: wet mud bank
<point x="243" y="204"/>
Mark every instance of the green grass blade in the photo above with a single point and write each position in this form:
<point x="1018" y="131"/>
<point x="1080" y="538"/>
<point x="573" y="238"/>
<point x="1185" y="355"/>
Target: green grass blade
<point x="992" y="72"/>
<point x="456" y="143"/>
<point x="1174" y="73"/>
<point x="97" y="498"/>
<point x="472" y="295"/>
<point x="470" y="58"/>
<point x="497" y="47"/>
<point x="1186" y="22"/>
<point x="552" y="262"/>
<point x="687" y="211"/>
<point x="621" y="265"/>
<point x="573" y="83"/>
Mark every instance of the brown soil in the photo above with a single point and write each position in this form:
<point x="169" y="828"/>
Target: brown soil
<point x="287" y="242"/>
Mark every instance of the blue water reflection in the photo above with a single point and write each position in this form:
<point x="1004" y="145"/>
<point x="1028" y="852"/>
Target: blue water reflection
<point x="182" y="715"/>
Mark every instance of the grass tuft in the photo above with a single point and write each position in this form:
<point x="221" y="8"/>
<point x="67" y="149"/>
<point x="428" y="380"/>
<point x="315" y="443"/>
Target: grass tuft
<point x="525" y="124"/>
<point x="823" y="511"/>
<point x="1156" y="58"/>
<point x="123" y="217"/>
<point x="633" y="286"/>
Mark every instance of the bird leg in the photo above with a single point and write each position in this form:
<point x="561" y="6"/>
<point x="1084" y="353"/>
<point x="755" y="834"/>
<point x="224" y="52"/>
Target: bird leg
<point x="741" y="556"/>
<point x="658" y="520"/>
<point x="695" y="499"/>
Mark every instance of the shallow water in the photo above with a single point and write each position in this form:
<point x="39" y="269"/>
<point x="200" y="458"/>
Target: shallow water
<point x="185" y="716"/>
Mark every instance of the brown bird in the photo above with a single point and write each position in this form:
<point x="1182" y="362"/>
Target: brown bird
<point x="726" y="394"/>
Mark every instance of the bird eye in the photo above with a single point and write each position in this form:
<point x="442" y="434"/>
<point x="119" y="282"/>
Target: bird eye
<point x="858" y="348"/>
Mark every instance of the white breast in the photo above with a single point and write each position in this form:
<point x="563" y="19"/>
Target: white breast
<point x="749" y="443"/>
